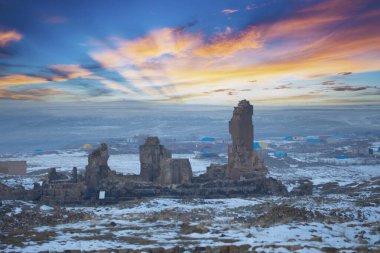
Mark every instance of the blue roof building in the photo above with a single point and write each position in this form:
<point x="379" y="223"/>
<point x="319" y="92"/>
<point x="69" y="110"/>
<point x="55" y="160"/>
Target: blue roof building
<point x="313" y="140"/>
<point x="207" y="139"/>
<point x="280" y="154"/>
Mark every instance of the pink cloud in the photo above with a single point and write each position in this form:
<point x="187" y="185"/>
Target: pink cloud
<point x="229" y="11"/>
<point x="7" y="37"/>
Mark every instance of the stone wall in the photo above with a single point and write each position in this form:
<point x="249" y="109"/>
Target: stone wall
<point x="63" y="193"/>
<point x="175" y="171"/>
<point x="13" y="167"/>
<point x="217" y="171"/>
<point x="97" y="168"/>
<point x="151" y="155"/>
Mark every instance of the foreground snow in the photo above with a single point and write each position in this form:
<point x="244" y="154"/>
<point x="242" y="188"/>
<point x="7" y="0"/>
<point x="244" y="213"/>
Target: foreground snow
<point x="215" y="222"/>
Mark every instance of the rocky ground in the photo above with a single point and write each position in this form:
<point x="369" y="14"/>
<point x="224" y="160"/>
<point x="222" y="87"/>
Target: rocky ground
<point x="334" y="219"/>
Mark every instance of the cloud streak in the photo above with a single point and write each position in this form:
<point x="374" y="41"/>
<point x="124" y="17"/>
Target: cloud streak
<point x="11" y="80"/>
<point x="307" y="48"/>
<point x="6" y="37"/>
<point x="229" y="11"/>
<point x="302" y="45"/>
<point x="29" y="94"/>
<point x="349" y="88"/>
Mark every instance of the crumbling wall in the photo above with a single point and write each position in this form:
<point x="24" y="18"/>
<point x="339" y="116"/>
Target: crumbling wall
<point x="217" y="171"/>
<point x="151" y="155"/>
<point x="13" y="167"/>
<point x="97" y="168"/>
<point x="63" y="193"/>
<point x="175" y="171"/>
<point x="54" y="176"/>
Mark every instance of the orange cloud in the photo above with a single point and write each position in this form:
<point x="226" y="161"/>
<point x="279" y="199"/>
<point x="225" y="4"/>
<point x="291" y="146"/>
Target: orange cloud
<point x="29" y="94"/>
<point x="7" y="37"/>
<point x="20" y="79"/>
<point x="155" y="44"/>
<point x="66" y="72"/>
<point x="224" y="46"/>
<point x="71" y="71"/>
<point x="321" y="40"/>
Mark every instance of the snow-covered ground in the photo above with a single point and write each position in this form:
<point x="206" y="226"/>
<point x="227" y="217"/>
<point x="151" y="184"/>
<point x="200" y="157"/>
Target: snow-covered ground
<point x="215" y="222"/>
<point x="343" y="175"/>
<point x="351" y="219"/>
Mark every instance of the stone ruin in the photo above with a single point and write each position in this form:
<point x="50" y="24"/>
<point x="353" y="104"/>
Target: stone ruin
<point x="243" y="162"/>
<point x="158" y="166"/>
<point x="97" y="168"/>
<point x="151" y="155"/>
<point x="161" y="175"/>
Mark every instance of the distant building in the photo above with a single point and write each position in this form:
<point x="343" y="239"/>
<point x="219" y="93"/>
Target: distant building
<point x="294" y="138"/>
<point x="374" y="150"/>
<point x="208" y="139"/>
<point x="313" y="140"/>
<point x="280" y="154"/>
<point x="13" y="167"/>
<point x="298" y="138"/>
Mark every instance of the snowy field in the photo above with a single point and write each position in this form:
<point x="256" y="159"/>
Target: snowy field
<point x="344" y="218"/>
<point x="195" y="223"/>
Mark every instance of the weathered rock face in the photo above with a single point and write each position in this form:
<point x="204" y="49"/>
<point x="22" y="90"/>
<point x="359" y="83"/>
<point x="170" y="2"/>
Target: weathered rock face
<point x="175" y="171"/>
<point x="67" y="192"/>
<point x="217" y="171"/>
<point x="151" y="155"/>
<point x="158" y="166"/>
<point x="242" y="162"/>
<point x="97" y="168"/>
<point x="54" y="176"/>
<point x="74" y="175"/>
<point x="209" y="189"/>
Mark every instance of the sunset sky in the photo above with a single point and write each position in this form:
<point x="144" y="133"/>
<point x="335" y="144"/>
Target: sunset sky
<point x="273" y="52"/>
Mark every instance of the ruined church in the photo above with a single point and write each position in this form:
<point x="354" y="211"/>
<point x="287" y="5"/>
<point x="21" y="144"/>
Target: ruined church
<point x="162" y="175"/>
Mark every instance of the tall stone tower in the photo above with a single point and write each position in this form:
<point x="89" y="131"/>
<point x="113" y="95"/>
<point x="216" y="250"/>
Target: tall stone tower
<point x="242" y="161"/>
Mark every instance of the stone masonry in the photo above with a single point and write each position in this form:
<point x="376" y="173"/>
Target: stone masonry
<point x="97" y="168"/>
<point x="158" y="166"/>
<point x="242" y="161"/>
<point x="175" y="171"/>
<point x="151" y="155"/>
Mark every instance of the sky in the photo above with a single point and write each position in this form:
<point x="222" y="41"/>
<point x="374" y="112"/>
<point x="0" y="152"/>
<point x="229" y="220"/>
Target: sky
<point x="274" y="52"/>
